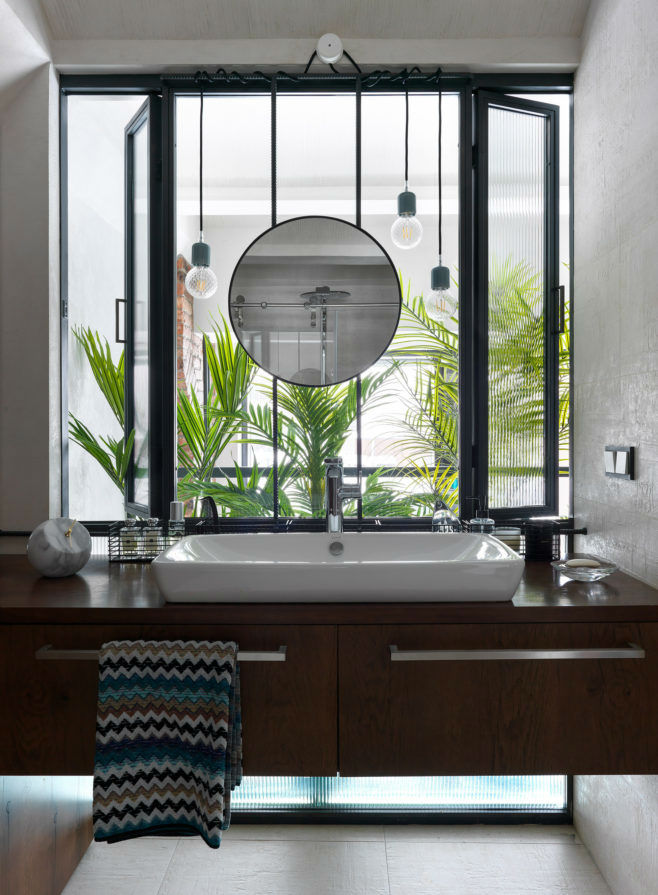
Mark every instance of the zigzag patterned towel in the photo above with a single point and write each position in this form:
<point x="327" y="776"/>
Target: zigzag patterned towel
<point x="168" y="739"/>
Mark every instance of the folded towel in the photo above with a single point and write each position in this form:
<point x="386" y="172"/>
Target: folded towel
<point x="168" y="739"/>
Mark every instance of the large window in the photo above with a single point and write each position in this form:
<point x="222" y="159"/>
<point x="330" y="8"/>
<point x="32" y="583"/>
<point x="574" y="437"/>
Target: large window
<point x="408" y="447"/>
<point x="474" y="407"/>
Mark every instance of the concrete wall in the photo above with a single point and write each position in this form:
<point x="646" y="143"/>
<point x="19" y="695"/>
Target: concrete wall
<point x="616" y="279"/>
<point x="616" y="368"/>
<point x="617" y="819"/>
<point x="29" y="305"/>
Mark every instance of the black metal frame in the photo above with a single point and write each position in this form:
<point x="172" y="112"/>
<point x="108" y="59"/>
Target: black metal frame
<point x="400" y="816"/>
<point x="139" y="120"/>
<point x="472" y="327"/>
<point x="484" y="101"/>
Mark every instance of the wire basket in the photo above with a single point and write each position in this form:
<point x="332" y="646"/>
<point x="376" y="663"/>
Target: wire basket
<point x="139" y="545"/>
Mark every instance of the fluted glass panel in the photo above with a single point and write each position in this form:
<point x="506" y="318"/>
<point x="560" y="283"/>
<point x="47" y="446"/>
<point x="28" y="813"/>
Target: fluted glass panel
<point x="517" y="271"/>
<point x="332" y="794"/>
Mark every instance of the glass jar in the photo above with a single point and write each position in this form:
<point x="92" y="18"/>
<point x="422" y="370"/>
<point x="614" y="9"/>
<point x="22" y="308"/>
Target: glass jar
<point x="130" y="539"/>
<point x="152" y="538"/>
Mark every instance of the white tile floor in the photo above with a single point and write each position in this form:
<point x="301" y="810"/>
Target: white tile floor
<point x="347" y="860"/>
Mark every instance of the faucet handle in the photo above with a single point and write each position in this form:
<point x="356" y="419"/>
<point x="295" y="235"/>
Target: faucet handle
<point x="350" y="492"/>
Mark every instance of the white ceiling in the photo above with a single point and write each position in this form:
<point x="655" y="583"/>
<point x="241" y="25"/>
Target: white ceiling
<point x="285" y="19"/>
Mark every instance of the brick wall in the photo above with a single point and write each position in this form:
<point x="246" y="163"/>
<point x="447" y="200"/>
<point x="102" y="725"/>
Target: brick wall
<point x="189" y="344"/>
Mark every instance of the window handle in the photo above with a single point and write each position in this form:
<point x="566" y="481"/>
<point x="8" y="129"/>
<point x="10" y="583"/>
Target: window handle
<point x="117" y="317"/>
<point x="630" y="651"/>
<point x="561" y="310"/>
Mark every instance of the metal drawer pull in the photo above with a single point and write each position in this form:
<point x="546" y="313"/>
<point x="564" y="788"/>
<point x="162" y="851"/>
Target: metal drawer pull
<point x="81" y="655"/>
<point x="632" y="651"/>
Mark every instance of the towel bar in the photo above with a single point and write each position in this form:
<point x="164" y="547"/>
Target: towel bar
<point x="632" y="651"/>
<point x="77" y="655"/>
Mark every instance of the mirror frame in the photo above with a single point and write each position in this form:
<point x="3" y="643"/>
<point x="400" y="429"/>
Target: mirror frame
<point x="324" y="217"/>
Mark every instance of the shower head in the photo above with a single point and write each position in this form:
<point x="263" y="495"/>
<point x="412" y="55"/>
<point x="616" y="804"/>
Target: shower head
<point x="323" y="294"/>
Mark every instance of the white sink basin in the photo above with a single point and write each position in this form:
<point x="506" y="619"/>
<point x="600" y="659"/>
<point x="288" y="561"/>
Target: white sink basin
<point x="299" y="568"/>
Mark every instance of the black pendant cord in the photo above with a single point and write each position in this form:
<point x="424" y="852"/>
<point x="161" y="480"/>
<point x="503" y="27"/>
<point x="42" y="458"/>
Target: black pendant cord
<point x="314" y="55"/>
<point x="273" y="149"/>
<point x="406" y="139"/>
<point x="358" y="151"/>
<point x="359" y="443"/>
<point x="440" y="176"/>
<point x="275" y="451"/>
<point x="275" y="382"/>
<point x="200" y="160"/>
<point x="357" y="67"/>
<point x="359" y="439"/>
<point x="371" y="79"/>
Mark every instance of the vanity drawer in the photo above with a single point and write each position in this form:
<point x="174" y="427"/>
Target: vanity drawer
<point x="48" y="708"/>
<point x="475" y="713"/>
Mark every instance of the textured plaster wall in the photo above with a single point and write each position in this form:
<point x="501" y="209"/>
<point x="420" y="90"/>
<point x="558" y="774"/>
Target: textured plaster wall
<point x="29" y="308"/>
<point x="616" y="368"/>
<point x="617" y="819"/>
<point x="616" y="281"/>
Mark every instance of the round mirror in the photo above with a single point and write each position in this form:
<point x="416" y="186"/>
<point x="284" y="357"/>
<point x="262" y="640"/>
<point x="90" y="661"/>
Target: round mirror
<point x="315" y="300"/>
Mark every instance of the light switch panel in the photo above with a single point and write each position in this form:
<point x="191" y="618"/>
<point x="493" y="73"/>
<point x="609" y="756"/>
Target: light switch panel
<point x="619" y="461"/>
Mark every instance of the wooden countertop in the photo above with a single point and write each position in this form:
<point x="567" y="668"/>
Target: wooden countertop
<point x="113" y="593"/>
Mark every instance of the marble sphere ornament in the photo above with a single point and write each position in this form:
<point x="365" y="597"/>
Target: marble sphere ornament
<point x="59" y="547"/>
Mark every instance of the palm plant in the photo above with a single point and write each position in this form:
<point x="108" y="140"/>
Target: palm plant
<point x="313" y="423"/>
<point x="427" y="355"/>
<point x="427" y="352"/>
<point x="207" y="431"/>
<point x="113" y="454"/>
<point x="517" y="381"/>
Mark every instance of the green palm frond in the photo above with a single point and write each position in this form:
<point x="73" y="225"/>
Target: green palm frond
<point x="207" y="431"/>
<point x="108" y="375"/>
<point x="112" y="454"/>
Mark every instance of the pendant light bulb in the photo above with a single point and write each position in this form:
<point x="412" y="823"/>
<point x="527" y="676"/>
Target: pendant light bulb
<point x="201" y="280"/>
<point x="440" y="303"/>
<point x="407" y="230"/>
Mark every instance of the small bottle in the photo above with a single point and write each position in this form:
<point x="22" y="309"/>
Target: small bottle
<point x="176" y="520"/>
<point x="130" y="539"/>
<point x="152" y="538"/>
<point x="481" y="523"/>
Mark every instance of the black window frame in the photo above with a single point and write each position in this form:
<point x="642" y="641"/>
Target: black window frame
<point x="472" y="321"/>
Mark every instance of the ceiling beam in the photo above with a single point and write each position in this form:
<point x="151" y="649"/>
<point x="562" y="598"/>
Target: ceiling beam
<point x="542" y="54"/>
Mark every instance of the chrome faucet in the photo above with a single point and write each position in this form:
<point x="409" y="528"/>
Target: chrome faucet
<point x="335" y="492"/>
<point x="444" y="519"/>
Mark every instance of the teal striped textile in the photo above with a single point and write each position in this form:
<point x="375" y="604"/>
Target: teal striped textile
<point x="168" y="739"/>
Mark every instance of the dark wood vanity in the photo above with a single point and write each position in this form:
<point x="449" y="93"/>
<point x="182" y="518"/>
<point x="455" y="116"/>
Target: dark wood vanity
<point x="342" y="701"/>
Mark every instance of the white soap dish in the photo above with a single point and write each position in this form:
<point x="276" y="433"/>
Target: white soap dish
<point x="584" y="567"/>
